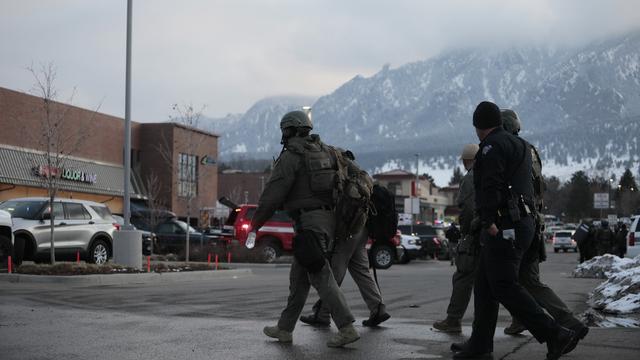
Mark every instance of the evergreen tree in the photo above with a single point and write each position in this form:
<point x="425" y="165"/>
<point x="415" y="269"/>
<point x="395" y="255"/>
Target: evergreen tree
<point x="627" y="181"/>
<point x="580" y="201"/>
<point x="457" y="176"/>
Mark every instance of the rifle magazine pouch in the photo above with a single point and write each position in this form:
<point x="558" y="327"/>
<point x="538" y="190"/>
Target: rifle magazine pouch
<point x="308" y="252"/>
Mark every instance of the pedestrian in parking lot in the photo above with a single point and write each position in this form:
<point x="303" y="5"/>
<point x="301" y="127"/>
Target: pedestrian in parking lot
<point x="504" y="200"/>
<point x="467" y="249"/>
<point x="529" y="274"/>
<point x="604" y="239"/>
<point x="621" y="239"/>
<point x="302" y="181"/>
<point x="453" y="235"/>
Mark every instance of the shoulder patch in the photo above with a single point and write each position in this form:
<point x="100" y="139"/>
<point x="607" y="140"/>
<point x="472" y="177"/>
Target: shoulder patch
<point x="486" y="149"/>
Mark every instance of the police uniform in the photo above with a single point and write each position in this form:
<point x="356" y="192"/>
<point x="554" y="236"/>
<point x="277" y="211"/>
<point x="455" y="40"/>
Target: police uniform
<point x="308" y="199"/>
<point x="529" y="274"/>
<point x="466" y="260"/>
<point x="504" y="198"/>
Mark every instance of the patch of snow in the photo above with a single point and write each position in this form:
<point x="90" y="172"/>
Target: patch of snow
<point x="601" y="267"/>
<point x="239" y="148"/>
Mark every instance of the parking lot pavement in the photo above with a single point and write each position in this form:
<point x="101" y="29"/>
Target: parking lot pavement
<point x="223" y="319"/>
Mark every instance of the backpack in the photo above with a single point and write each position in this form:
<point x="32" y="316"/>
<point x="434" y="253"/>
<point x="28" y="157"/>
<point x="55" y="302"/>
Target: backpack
<point x="382" y="223"/>
<point x="352" y="195"/>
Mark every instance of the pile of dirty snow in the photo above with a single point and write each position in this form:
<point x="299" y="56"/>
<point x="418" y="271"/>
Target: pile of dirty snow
<point x="602" y="267"/>
<point x="620" y="294"/>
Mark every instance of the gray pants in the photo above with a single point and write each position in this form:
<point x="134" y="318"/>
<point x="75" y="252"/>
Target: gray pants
<point x="462" y="281"/>
<point x="323" y="223"/>
<point x="529" y="278"/>
<point x="352" y="255"/>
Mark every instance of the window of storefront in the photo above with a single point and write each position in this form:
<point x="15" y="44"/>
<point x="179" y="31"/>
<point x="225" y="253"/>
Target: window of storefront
<point x="187" y="175"/>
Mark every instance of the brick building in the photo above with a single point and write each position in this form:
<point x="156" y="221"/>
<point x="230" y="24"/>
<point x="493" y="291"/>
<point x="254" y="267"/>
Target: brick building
<point x="170" y="162"/>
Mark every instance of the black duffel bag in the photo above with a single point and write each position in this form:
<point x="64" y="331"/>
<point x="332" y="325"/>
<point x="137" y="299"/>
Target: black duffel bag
<point x="308" y="251"/>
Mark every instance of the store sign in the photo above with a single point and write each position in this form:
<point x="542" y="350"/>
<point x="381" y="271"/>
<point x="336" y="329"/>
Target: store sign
<point x="207" y="160"/>
<point x="64" y="173"/>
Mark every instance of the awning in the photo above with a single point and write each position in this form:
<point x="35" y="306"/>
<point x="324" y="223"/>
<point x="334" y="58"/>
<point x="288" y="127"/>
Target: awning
<point x="26" y="167"/>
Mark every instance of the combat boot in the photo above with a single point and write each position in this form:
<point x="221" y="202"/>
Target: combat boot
<point x="559" y="343"/>
<point x="515" y="328"/>
<point x="276" y="333"/>
<point x="448" y="325"/>
<point x="381" y="315"/>
<point x="346" y="335"/>
<point x="315" y="320"/>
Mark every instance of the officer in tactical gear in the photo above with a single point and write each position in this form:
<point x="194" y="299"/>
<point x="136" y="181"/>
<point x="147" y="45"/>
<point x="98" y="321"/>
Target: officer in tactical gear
<point x="467" y="250"/>
<point x="621" y="239"/>
<point x="529" y="274"/>
<point x="302" y="182"/>
<point x="504" y="201"/>
<point x="605" y="239"/>
<point x="351" y="254"/>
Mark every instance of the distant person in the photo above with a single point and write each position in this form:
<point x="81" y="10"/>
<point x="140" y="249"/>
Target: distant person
<point x="468" y="248"/>
<point x="453" y="235"/>
<point x="605" y="240"/>
<point x="621" y="239"/>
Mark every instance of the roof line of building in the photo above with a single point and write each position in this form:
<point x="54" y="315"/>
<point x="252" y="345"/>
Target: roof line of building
<point x="39" y="152"/>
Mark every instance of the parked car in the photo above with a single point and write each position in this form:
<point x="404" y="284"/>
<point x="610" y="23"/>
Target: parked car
<point x="273" y="239"/>
<point x="80" y="225"/>
<point x="6" y="238"/>
<point x="432" y="239"/>
<point x="411" y="246"/>
<point x="633" y="237"/>
<point x="171" y="237"/>
<point x="149" y="240"/>
<point x="382" y="254"/>
<point x="563" y="240"/>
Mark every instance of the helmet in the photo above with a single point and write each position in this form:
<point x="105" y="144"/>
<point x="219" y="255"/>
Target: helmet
<point x="296" y="119"/>
<point x="469" y="151"/>
<point x="510" y="121"/>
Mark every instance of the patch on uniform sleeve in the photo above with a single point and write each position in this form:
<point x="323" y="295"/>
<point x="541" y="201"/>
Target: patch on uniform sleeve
<point x="486" y="149"/>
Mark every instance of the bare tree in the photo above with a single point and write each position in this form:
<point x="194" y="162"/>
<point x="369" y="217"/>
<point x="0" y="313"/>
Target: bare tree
<point x="54" y="135"/>
<point x="187" y="174"/>
<point x="152" y="189"/>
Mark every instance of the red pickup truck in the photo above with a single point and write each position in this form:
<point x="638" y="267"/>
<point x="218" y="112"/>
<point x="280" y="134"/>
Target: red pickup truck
<point x="273" y="239"/>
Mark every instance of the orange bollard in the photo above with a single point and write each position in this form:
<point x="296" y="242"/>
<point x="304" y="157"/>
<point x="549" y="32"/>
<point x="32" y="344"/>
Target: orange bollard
<point x="208" y="258"/>
<point x="78" y="256"/>
<point x="216" y="261"/>
<point x="9" y="264"/>
<point x="229" y="257"/>
<point x="148" y="263"/>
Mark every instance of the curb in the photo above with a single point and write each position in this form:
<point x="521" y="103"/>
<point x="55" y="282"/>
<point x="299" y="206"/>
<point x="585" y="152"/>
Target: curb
<point x="257" y="265"/>
<point x="125" y="279"/>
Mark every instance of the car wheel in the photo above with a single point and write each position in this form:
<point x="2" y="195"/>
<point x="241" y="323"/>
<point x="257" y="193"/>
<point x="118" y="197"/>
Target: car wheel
<point x="269" y="251"/>
<point x="555" y="250"/>
<point x="382" y="257"/>
<point x="404" y="259"/>
<point x="99" y="252"/>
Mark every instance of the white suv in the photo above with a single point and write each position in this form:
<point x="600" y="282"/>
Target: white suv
<point x="79" y="225"/>
<point x="633" y="237"/>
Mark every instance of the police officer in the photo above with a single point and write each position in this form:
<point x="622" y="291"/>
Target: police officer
<point x="605" y="240"/>
<point x="302" y="182"/>
<point x="504" y="200"/>
<point x="352" y="255"/>
<point x="529" y="275"/>
<point x="467" y="257"/>
<point x="621" y="239"/>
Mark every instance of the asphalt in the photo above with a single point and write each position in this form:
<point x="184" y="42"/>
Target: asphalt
<point x="222" y="318"/>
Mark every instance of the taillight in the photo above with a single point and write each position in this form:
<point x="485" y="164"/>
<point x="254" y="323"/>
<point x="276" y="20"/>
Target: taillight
<point x="117" y="226"/>
<point x="632" y="239"/>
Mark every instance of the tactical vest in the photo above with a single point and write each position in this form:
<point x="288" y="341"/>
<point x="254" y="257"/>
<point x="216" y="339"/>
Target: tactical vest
<point x="316" y="180"/>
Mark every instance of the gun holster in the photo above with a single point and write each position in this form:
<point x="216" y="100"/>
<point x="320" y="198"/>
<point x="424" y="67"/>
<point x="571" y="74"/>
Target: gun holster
<point x="308" y="251"/>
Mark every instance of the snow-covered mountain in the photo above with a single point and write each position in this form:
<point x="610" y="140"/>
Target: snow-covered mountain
<point x="581" y="107"/>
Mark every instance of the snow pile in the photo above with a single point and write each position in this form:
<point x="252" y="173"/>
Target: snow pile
<point x="620" y="294"/>
<point x="593" y="318"/>
<point x="602" y="267"/>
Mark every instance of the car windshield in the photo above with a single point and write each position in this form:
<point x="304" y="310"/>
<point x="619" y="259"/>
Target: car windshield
<point x="563" y="234"/>
<point x="417" y="230"/>
<point x="183" y="226"/>
<point x="27" y="209"/>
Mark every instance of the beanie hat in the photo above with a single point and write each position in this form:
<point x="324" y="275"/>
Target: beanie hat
<point x="486" y="116"/>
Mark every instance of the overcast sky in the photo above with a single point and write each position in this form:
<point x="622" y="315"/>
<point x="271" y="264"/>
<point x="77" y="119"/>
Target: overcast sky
<point x="226" y="55"/>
